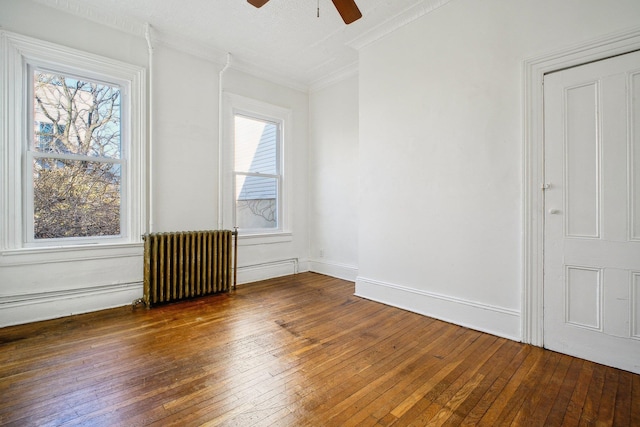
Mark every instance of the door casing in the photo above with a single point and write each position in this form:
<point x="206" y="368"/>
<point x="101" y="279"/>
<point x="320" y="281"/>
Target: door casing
<point x="534" y="69"/>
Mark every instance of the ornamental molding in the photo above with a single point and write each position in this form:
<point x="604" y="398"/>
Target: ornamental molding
<point x="102" y="16"/>
<point x="398" y="21"/>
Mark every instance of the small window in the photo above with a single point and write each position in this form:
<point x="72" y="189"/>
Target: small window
<point x="257" y="174"/>
<point x="75" y="158"/>
<point x="255" y="177"/>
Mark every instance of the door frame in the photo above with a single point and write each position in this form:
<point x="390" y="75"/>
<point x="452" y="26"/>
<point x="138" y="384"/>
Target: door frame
<point x="534" y="69"/>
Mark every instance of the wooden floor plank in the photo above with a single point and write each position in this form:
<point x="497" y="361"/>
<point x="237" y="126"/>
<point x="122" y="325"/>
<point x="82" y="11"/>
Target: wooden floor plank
<point x="492" y="369"/>
<point x="607" y="403"/>
<point x="563" y="399"/>
<point x="622" y="411"/>
<point x="490" y="392"/>
<point x="546" y="394"/>
<point x="635" y="402"/>
<point x="465" y="367"/>
<point x="528" y="393"/>
<point x="576" y="404"/>
<point x="509" y="386"/>
<point x="300" y="350"/>
<point x="593" y="397"/>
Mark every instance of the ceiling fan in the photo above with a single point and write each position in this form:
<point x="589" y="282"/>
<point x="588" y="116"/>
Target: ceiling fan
<point x="347" y="9"/>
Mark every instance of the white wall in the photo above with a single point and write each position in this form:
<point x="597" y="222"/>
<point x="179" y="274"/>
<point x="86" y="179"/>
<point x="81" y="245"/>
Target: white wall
<point x="185" y="173"/>
<point x="441" y="153"/>
<point x="185" y="141"/>
<point x="333" y="172"/>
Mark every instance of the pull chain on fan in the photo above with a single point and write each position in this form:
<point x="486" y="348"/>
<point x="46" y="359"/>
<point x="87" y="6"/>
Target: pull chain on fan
<point x="348" y="9"/>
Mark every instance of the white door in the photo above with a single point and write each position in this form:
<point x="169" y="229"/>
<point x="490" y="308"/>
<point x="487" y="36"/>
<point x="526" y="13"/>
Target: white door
<point x="592" y="212"/>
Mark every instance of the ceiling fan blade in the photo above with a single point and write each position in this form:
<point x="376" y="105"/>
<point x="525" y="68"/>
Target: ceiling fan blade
<point x="348" y="10"/>
<point x="258" y="3"/>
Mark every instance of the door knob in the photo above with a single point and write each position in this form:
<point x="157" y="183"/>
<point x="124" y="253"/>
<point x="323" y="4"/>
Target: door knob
<point x="554" y="211"/>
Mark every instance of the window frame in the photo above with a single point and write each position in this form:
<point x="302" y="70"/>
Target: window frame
<point x="30" y="154"/>
<point x="277" y="175"/>
<point x="21" y="55"/>
<point x="239" y="105"/>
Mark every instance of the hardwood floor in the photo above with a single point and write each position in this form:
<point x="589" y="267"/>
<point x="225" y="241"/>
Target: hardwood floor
<point x="295" y="351"/>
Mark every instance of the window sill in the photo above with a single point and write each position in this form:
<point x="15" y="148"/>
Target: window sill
<point x="264" y="239"/>
<point x="56" y="254"/>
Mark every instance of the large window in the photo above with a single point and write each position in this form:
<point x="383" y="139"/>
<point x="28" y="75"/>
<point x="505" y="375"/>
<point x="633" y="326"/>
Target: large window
<point x="256" y="189"/>
<point x="75" y="155"/>
<point x="74" y="147"/>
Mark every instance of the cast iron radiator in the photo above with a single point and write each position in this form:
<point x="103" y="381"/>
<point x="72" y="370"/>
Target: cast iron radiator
<point x="180" y="265"/>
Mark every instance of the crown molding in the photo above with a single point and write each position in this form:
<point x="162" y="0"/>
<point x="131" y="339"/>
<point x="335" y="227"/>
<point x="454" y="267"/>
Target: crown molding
<point x="137" y="28"/>
<point x="179" y="43"/>
<point x="190" y="47"/>
<point x="102" y="16"/>
<point x="334" y="77"/>
<point x="267" y="74"/>
<point x="400" y="20"/>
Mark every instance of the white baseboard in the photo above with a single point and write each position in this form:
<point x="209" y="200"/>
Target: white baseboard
<point x="26" y="308"/>
<point x="481" y="317"/>
<point x="33" y="307"/>
<point x="270" y="270"/>
<point x="340" y="271"/>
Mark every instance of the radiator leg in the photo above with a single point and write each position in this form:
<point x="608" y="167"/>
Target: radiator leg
<point x="137" y="302"/>
<point x="235" y="257"/>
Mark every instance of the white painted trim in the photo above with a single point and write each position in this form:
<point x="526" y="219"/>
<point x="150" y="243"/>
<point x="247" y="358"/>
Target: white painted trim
<point x="271" y="269"/>
<point x="216" y="56"/>
<point x="50" y="255"/>
<point x="100" y="15"/>
<point x="334" y="269"/>
<point x="258" y="71"/>
<point x="494" y="320"/>
<point x="137" y="28"/>
<point x="400" y="20"/>
<point x="190" y="47"/>
<point x="534" y="70"/>
<point x="33" y="307"/>
<point x="20" y="51"/>
<point x="334" y="77"/>
<point x="232" y="104"/>
<point x="174" y="41"/>
<point x="264" y="239"/>
<point x="635" y="302"/>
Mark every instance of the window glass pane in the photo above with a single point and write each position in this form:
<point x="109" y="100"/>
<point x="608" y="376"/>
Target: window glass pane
<point x="75" y="198"/>
<point x="256" y="202"/>
<point x="255" y="145"/>
<point x="73" y="116"/>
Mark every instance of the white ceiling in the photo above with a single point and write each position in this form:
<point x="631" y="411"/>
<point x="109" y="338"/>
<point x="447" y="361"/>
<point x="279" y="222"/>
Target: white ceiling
<point x="284" y="40"/>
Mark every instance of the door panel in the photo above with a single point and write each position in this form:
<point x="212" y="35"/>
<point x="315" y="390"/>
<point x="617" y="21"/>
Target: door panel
<point x="582" y="161"/>
<point x="583" y="291"/>
<point x="634" y="164"/>
<point x="636" y="305"/>
<point x="592" y="204"/>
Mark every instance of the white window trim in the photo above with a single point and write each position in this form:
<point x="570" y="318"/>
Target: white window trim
<point x="17" y="54"/>
<point x="237" y="104"/>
